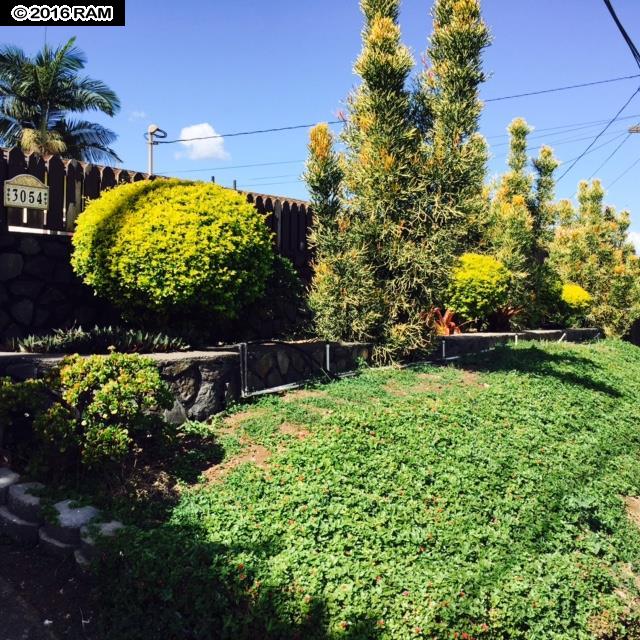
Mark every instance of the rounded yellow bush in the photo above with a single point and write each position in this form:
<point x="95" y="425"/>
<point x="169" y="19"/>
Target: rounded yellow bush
<point x="479" y="287"/>
<point x="575" y="297"/>
<point x="173" y="245"/>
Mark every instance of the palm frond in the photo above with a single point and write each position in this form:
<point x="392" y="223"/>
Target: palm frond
<point x="88" y="141"/>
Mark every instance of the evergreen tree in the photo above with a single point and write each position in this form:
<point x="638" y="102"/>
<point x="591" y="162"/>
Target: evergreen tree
<point x="411" y="188"/>
<point x="591" y="248"/>
<point x="343" y="295"/>
<point x="448" y="108"/>
<point x="520" y="226"/>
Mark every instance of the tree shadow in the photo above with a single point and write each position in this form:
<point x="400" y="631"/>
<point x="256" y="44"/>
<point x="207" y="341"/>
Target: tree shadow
<point x="147" y="488"/>
<point x="174" y="582"/>
<point x="539" y="362"/>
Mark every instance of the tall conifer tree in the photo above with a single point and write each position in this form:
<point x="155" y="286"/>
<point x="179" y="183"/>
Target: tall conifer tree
<point x="412" y="186"/>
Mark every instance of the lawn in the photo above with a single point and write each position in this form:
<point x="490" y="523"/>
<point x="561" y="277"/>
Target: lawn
<point x="485" y="500"/>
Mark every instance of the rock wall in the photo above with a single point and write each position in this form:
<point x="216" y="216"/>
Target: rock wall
<point x="38" y="289"/>
<point x="206" y="382"/>
<point x="39" y="292"/>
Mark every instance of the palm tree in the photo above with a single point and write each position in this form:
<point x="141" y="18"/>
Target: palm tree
<point x="38" y="94"/>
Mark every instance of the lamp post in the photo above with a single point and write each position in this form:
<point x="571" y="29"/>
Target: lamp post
<point x="153" y="132"/>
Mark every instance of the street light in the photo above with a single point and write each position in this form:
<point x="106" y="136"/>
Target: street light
<point x="154" y="131"/>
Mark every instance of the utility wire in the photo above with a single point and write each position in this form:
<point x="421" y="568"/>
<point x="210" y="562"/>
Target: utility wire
<point x="566" y="128"/>
<point x="584" y="153"/>
<point x="627" y="38"/>
<point x="624" y="173"/>
<point x="613" y="153"/>
<point x="247" y="133"/>
<point x="336" y="122"/>
<point x="566" y="88"/>
<point x="240" y="166"/>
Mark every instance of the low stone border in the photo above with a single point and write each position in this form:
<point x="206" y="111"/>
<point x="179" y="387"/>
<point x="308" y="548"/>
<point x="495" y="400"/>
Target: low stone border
<point x="206" y="382"/>
<point x="75" y="532"/>
<point x="463" y="344"/>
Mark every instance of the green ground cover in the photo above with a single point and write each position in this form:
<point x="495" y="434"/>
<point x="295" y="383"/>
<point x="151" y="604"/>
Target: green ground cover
<point x="485" y="500"/>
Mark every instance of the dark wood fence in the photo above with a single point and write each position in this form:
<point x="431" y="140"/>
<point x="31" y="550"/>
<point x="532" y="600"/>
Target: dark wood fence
<point x="72" y="183"/>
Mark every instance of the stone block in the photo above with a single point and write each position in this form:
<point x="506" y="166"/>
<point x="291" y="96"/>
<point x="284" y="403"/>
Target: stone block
<point x="7" y="479"/>
<point x="40" y="267"/>
<point x="23" y="504"/>
<point x="207" y="403"/>
<point x="25" y="288"/>
<point x="177" y="414"/>
<point x="51" y="295"/>
<point x="70" y="520"/>
<point x="30" y="246"/>
<point x="52" y="547"/>
<point x="19" y="530"/>
<point x="92" y="534"/>
<point x="11" y="266"/>
<point x="22" y="312"/>
<point x="22" y="370"/>
<point x="56" y="249"/>
<point x="284" y="361"/>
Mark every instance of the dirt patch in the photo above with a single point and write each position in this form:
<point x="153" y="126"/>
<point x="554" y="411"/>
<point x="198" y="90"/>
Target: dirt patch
<point x="296" y="430"/>
<point x="303" y="394"/>
<point x="255" y="454"/>
<point x="231" y="423"/>
<point x="633" y="509"/>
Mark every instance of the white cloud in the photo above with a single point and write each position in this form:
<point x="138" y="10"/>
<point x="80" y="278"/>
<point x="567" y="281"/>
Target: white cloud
<point x="202" y="149"/>
<point x="137" y="115"/>
<point x="634" y="236"/>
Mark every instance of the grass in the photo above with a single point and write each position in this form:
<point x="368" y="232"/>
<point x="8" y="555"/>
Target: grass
<point x="476" y="502"/>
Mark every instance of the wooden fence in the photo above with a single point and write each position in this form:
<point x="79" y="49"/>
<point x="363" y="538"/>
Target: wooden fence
<point x="72" y="183"/>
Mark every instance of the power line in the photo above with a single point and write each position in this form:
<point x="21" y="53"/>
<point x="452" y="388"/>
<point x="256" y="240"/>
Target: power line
<point x="270" y="184"/>
<point x="613" y="153"/>
<point x="567" y="128"/>
<point x="575" y="162"/>
<point x="238" y="166"/>
<point x="616" y="136"/>
<point x="600" y="146"/>
<point x="627" y="38"/>
<point x="537" y="134"/>
<point x="248" y="133"/>
<point x="565" y="88"/>
<point x="337" y="122"/>
<point x="288" y="175"/>
<point x="624" y="173"/>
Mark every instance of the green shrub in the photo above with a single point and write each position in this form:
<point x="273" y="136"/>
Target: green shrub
<point x="20" y="402"/>
<point x="576" y="298"/>
<point x="106" y="407"/>
<point x="173" y="246"/>
<point x="100" y="340"/>
<point x="479" y="287"/>
<point x="574" y="305"/>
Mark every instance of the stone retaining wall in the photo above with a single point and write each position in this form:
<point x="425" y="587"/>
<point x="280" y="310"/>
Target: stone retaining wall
<point x="40" y="292"/>
<point x="205" y="382"/>
<point x="38" y="289"/>
<point x="466" y="343"/>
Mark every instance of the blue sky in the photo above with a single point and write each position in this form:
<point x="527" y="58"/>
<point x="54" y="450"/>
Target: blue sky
<point x="235" y="65"/>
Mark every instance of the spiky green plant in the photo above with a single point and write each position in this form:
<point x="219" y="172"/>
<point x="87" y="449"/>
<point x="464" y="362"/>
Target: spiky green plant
<point x="408" y="191"/>
<point x="520" y="226"/>
<point x="591" y="248"/>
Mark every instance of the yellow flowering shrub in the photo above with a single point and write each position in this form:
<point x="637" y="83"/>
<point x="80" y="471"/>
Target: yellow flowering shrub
<point x="576" y="298"/>
<point x="479" y="287"/>
<point x="170" y="245"/>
